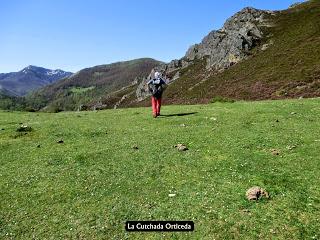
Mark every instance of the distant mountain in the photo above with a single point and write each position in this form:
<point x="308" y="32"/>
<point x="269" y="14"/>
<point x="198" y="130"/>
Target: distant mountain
<point x="29" y="79"/>
<point x="89" y="85"/>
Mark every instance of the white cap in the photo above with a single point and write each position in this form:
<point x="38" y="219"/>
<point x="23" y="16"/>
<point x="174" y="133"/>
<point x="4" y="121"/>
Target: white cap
<point x="157" y="74"/>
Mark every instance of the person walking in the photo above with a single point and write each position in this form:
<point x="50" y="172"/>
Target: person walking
<point x="156" y="87"/>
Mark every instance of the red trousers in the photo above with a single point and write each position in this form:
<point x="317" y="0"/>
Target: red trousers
<point x="156" y="105"/>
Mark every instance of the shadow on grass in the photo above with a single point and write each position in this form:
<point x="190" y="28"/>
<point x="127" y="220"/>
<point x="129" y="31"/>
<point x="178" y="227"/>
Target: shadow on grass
<point x="178" y="114"/>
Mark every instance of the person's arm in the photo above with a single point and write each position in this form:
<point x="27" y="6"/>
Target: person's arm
<point x="150" y="81"/>
<point x="163" y="84"/>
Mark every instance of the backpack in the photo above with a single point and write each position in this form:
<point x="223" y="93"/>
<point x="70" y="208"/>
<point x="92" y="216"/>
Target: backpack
<point x="156" y="87"/>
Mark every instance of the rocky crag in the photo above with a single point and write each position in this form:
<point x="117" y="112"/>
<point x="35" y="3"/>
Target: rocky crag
<point x="220" y="48"/>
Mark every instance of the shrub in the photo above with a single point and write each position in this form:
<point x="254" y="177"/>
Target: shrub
<point x="24" y="128"/>
<point x="30" y="109"/>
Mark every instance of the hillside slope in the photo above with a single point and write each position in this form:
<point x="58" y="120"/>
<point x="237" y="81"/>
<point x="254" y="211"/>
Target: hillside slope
<point x="29" y="79"/>
<point x="284" y="63"/>
<point x="87" y="86"/>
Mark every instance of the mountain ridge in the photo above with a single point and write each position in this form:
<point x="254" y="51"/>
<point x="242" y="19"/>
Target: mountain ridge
<point x="29" y="79"/>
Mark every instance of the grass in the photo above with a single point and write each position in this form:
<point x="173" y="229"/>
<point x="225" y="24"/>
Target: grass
<point x="88" y="186"/>
<point x="80" y="90"/>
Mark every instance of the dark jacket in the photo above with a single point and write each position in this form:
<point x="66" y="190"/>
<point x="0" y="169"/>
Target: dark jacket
<point x="156" y="87"/>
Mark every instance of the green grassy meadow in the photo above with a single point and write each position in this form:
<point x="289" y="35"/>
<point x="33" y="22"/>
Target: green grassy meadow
<point x="88" y="186"/>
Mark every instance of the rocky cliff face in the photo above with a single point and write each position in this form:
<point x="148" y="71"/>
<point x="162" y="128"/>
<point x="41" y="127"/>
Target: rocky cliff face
<point x="229" y="45"/>
<point x="221" y="48"/>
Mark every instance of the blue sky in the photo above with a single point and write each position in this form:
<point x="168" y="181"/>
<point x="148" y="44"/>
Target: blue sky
<point x="74" y="34"/>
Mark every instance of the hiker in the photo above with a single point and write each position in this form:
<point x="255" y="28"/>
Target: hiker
<point x="156" y="87"/>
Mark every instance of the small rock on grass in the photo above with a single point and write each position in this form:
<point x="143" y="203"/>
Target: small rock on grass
<point x="255" y="193"/>
<point x="183" y="125"/>
<point x="275" y="152"/>
<point x="172" y="195"/>
<point x="181" y="147"/>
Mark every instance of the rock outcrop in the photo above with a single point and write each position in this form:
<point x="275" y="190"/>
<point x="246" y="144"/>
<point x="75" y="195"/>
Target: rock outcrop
<point x="229" y="45"/>
<point x="295" y="4"/>
<point x="221" y="48"/>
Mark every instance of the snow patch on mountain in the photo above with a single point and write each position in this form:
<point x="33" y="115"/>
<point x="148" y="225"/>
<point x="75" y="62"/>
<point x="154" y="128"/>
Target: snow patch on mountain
<point x="31" y="78"/>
